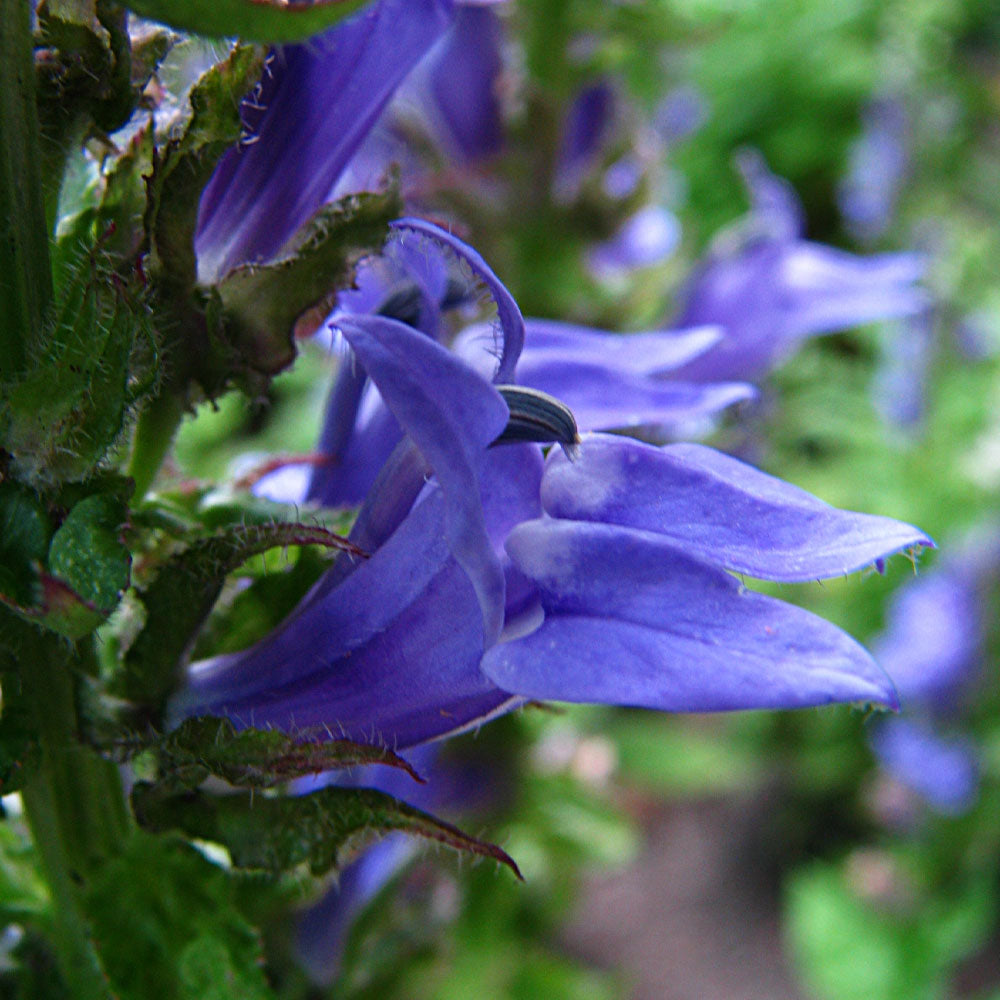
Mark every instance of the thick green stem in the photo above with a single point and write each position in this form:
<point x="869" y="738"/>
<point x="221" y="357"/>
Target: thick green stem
<point x="153" y="436"/>
<point x="75" y="807"/>
<point x="25" y="277"/>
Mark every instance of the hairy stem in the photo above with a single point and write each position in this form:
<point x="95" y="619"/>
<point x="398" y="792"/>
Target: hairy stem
<point x="25" y="277"/>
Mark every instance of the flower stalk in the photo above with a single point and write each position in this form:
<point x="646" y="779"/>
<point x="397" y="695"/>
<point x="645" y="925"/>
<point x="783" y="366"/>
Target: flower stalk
<point x="25" y="278"/>
<point x="74" y="804"/>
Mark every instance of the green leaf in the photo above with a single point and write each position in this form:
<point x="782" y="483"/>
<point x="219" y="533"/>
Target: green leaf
<point x="23" y="891"/>
<point x="91" y="367"/>
<point x="254" y="308"/>
<point x="87" y="552"/>
<point x="850" y="944"/>
<point x="167" y="926"/>
<point x="259" y="758"/>
<point x="280" y="833"/>
<point x="185" y="165"/>
<point x="77" y="583"/>
<point x="180" y="598"/>
<point x="253" y="20"/>
<point x="84" y="80"/>
<point x="25" y="531"/>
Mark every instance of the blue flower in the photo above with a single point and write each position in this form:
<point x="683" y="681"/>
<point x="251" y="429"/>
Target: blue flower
<point x="496" y="576"/>
<point x="320" y="125"/>
<point x="877" y="166"/>
<point x="316" y="104"/>
<point x="769" y="288"/>
<point x="608" y="380"/>
<point x="932" y="648"/>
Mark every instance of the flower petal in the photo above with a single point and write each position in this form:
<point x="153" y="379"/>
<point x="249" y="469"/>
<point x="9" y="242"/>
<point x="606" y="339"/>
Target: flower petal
<point x="452" y="415"/>
<point x="651" y="353"/>
<point x="389" y="656"/>
<point x="604" y="398"/>
<point x="718" y="509"/>
<point x="769" y="294"/>
<point x="356" y="462"/>
<point x="320" y="100"/>
<point x="462" y="85"/>
<point x="511" y="320"/>
<point x="630" y="620"/>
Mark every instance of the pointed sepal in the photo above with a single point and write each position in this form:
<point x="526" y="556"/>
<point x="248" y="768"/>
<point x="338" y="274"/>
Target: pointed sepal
<point x="276" y="834"/>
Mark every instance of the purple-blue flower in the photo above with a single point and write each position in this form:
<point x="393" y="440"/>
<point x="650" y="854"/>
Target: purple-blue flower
<point x="310" y="123"/>
<point x="608" y="380"/>
<point x="932" y="648"/>
<point x="769" y="288"/>
<point x="877" y="166"/>
<point x="497" y="576"/>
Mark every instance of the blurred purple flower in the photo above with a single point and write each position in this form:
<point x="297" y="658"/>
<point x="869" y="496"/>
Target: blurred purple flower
<point x="900" y="385"/>
<point x="457" y="86"/>
<point x="932" y="648"/>
<point x="647" y="237"/>
<point x="876" y="169"/>
<point x="587" y="128"/>
<point x="682" y="111"/>
<point x="503" y="578"/>
<point x="941" y="769"/>
<point x="769" y="288"/>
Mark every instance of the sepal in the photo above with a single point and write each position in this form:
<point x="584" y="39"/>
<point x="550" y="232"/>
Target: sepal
<point x="181" y="596"/>
<point x="184" y="165"/>
<point x="276" y="834"/>
<point x="252" y="310"/>
<point x="259" y="758"/>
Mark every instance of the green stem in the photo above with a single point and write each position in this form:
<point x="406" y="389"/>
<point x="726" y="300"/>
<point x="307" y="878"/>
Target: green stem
<point x="75" y="807"/>
<point x="25" y="276"/>
<point x="153" y="435"/>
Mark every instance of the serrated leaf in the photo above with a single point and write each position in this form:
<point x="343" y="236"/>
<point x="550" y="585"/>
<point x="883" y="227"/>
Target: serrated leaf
<point x="280" y="833"/>
<point x="183" y="167"/>
<point x="261" y="603"/>
<point x="259" y="758"/>
<point x="258" y="304"/>
<point x="180" y="598"/>
<point x="167" y="926"/>
<point x="253" y="20"/>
